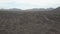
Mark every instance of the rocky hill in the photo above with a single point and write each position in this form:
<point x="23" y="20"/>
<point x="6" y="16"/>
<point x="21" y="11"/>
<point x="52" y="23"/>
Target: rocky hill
<point x="42" y="22"/>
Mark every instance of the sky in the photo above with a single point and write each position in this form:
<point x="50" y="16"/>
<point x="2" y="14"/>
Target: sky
<point x="29" y="4"/>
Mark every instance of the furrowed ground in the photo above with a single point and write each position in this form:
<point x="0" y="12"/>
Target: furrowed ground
<point x="29" y="22"/>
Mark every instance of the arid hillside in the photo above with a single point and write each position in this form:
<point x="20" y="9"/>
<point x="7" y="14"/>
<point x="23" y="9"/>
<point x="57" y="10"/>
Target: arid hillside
<point x="38" y="22"/>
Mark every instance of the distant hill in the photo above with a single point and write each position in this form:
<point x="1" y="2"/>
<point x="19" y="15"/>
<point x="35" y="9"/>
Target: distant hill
<point x="57" y="9"/>
<point x="40" y="9"/>
<point x="13" y="9"/>
<point x="34" y="9"/>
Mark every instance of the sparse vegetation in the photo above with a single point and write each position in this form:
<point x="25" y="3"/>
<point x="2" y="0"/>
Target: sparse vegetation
<point x="38" y="22"/>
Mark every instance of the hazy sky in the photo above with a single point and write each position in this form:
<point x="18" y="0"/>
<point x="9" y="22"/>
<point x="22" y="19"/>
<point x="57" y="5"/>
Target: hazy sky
<point x="28" y="4"/>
